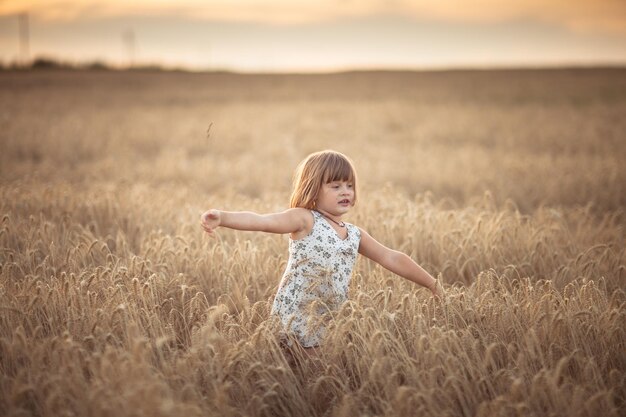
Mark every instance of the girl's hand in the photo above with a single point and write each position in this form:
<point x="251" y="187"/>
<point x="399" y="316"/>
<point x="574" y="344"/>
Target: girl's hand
<point x="436" y="289"/>
<point x="210" y="220"/>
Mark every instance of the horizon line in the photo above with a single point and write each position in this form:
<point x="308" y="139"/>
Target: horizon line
<point x="47" y="62"/>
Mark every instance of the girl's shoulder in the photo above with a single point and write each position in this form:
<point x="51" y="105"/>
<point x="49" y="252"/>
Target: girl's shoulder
<point x="354" y="229"/>
<point x="306" y="214"/>
<point x="307" y="217"/>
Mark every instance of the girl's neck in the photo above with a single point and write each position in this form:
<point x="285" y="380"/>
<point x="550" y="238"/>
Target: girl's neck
<point x="334" y="219"/>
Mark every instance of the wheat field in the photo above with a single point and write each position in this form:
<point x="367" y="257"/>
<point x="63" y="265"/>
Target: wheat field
<point x="507" y="185"/>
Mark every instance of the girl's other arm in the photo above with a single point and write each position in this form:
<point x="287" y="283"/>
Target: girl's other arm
<point x="397" y="262"/>
<point x="288" y="221"/>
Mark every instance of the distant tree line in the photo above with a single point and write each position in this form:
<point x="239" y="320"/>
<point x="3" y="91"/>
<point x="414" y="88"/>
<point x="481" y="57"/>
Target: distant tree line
<point x="49" y="63"/>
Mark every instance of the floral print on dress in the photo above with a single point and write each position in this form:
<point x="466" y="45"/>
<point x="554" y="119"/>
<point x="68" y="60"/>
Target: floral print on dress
<point x="316" y="279"/>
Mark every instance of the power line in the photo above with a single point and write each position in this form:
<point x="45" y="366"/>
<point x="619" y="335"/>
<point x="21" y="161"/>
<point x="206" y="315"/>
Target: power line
<point x="24" y="38"/>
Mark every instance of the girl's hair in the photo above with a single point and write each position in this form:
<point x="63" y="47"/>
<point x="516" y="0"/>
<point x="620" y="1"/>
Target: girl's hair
<point x="317" y="169"/>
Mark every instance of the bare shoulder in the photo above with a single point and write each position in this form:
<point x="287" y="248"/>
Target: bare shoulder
<point x="370" y="247"/>
<point x="301" y="213"/>
<point x="305" y="218"/>
<point x="363" y="233"/>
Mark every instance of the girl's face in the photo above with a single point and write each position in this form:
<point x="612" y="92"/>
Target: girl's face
<point x="336" y="198"/>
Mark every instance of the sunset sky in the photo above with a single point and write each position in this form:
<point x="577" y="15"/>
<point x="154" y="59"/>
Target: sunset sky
<point x="319" y="35"/>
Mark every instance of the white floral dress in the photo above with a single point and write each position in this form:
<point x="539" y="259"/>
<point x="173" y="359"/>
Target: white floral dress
<point x="316" y="279"/>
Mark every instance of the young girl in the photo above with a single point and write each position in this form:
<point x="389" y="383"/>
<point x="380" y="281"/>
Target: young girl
<point x="322" y="248"/>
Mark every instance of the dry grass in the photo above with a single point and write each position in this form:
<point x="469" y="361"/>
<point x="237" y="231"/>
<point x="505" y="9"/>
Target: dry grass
<point x="509" y="185"/>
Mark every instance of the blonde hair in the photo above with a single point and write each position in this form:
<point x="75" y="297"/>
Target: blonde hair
<point x="317" y="169"/>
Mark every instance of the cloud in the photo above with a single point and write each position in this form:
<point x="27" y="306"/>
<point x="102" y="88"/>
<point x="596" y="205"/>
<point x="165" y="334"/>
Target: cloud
<point x="602" y="16"/>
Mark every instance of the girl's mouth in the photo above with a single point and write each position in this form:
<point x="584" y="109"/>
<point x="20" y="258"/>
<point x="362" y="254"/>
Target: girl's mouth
<point x="345" y="201"/>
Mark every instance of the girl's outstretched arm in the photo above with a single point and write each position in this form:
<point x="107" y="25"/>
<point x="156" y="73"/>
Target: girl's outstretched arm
<point x="289" y="221"/>
<point x="397" y="262"/>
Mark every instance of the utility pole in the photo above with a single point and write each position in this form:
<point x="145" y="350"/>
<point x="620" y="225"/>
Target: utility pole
<point x="128" y="38"/>
<point x="24" y="38"/>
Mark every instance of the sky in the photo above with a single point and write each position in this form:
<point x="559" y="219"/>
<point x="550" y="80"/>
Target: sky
<point x="317" y="35"/>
